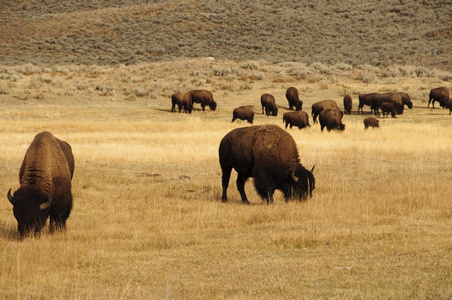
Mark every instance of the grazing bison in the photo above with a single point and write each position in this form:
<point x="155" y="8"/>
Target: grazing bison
<point x="371" y="122"/>
<point x="388" y="108"/>
<point x="292" y="98"/>
<point x="318" y="107"/>
<point x="205" y="98"/>
<point x="245" y="113"/>
<point x="269" y="155"/>
<point x="182" y="100"/>
<point x="395" y="98"/>
<point x="365" y="99"/>
<point x="299" y="119"/>
<point x="331" y="119"/>
<point x="45" y="185"/>
<point x="441" y="95"/>
<point x="406" y="100"/>
<point x="347" y="104"/>
<point x="269" y="104"/>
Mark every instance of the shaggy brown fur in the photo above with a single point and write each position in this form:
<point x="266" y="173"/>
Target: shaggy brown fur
<point x="245" y="113"/>
<point x="318" y="107"/>
<point x="269" y="104"/>
<point x="299" y="119"/>
<point x="371" y="122"/>
<point x="182" y="100"/>
<point x="388" y="108"/>
<point x="331" y="119"/>
<point x="395" y="98"/>
<point x="45" y="185"/>
<point x="365" y="99"/>
<point x="293" y="99"/>
<point x="204" y="97"/>
<point x="441" y="95"/>
<point x="269" y="155"/>
<point x="347" y="104"/>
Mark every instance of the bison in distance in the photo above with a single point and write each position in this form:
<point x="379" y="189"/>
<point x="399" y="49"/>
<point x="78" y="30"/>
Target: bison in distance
<point x="293" y="99"/>
<point x="245" y="113"/>
<point x="203" y="97"/>
<point x="441" y="95"/>
<point x="269" y="155"/>
<point x="269" y="105"/>
<point x="331" y="119"/>
<point x="45" y="185"/>
<point x="371" y="122"/>
<point x="182" y="100"/>
<point x="318" y="107"/>
<point x="299" y="119"/>
<point x="347" y="104"/>
<point x="365" y="99"/>
<point x="388" y="108"/>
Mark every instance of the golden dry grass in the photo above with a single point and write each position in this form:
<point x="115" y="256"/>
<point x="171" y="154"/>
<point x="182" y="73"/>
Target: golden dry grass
<point x="147" y="219"/>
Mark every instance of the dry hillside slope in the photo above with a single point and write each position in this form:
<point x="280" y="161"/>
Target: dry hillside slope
<point x="114" y="31"/>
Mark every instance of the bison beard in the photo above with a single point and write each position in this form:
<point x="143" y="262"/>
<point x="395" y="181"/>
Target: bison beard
<point x="45" y="185"/>
<point x="269" y="155"/>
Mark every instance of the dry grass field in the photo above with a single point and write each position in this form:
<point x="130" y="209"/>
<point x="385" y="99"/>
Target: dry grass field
<point x="148" y="222"/>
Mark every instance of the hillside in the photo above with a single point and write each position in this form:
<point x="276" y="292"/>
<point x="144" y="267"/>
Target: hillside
<point x="107" y="32"/>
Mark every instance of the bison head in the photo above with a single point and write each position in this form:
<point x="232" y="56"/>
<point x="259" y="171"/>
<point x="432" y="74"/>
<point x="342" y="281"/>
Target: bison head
<point x="302" y="183"/>
<point x="213" y="105"/>
<point x="274" y="111"/>
<point x="30" y="210"/>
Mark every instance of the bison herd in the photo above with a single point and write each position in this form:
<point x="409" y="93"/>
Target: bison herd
<point x="266" y="153"/>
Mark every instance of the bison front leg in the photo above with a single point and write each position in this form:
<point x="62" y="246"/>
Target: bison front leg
<point x="241" y="179"/>
<point x="270" y="197"/>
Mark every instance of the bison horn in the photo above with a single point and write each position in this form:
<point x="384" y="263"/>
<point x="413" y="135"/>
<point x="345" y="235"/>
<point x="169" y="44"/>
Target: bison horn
<point x="10" y="198"/>
<point x="46" y="204"/>
<point x="312" y="170"/>
<point x="294" y="178"/>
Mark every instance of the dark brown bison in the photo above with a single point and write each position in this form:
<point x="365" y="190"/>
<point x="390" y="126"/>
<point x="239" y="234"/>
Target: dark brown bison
<point x="395" y="98"/>
<point x="269" y="155"/>
<point x="347" y="104"/>
<point x="293" y="99"/>
<point x="182" y="100"/>
<point x="371" y="122"/>
<point x="331" y="119"/>
<point x="299" y="119"/>
<point x="269" y="104"/>
<point x="441" y="95"/>
<point x="204" y="97"/>
<point x="318" y="107"/>
<point x="45" y="185"/>
<point x="365" y="99"/>
<point x="245" y="113"/>
<point x="406" y="100"/>
<point x="388" y="108"/>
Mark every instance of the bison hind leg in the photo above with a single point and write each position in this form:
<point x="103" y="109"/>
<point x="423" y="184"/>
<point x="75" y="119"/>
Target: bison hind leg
<point x="241" y="179"/>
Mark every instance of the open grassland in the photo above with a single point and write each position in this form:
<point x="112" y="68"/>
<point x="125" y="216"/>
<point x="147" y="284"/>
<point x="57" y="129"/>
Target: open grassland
<point x="147" y="219"/>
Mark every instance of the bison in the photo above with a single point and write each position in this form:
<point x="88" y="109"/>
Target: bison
<point x="269" y="155"/>
<point x="347" y="104"/>
<point x="365" y="99"/>
<point x="292" y="98"/>
<point x="395" y="98"/>
<point x="388" y="108"/>
<point x="441" y="95"/>
<point x="406" y="100"/>
<point x="331" y="119"/>
<point x="268" y="103"/>
<point x="322" y="105"/>
<point x="371" y="122"/>
<point x="182" y="100"/>
<point x="45" y="185"/>
<point x="245" y="113"/>
<point x="204" y="97"/>
<point x="299" y="119"/>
